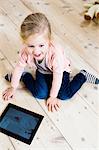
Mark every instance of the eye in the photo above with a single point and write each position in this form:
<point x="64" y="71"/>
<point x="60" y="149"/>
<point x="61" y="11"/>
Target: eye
<point x="31" y="46"/>
<point x="41" y="45"/>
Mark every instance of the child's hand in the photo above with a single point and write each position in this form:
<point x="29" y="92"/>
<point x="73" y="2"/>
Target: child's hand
<point x="8" y="93"/>
<point x="53" y="104"/>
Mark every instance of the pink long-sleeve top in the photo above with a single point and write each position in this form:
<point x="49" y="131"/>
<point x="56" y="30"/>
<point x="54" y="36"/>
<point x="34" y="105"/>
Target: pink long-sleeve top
<point x="56" y="62"/>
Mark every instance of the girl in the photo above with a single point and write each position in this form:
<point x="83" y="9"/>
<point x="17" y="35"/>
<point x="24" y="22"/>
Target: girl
<point x="53" y="69"/>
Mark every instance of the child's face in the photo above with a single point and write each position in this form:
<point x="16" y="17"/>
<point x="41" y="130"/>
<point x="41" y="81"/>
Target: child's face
<point x="38" y="45"/>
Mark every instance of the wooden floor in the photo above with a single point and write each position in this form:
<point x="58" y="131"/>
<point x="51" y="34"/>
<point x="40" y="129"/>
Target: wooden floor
<point x="76" y="125"/>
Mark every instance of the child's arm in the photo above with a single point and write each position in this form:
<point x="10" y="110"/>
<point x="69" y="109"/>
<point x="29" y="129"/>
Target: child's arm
<point x="9" y="92"/>
<point x="52" y="102"/>
<point x="17" y="75"/>
<point x="56" y="84"/>
<point x="58" y="68"/>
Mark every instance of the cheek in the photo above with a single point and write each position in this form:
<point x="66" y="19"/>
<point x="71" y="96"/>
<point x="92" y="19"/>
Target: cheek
<point x="44" y="51"/>
<point x="30" y="50"/>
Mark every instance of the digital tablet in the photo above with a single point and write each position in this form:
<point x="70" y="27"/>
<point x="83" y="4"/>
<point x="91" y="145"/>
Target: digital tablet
<point x="20" y="123"/>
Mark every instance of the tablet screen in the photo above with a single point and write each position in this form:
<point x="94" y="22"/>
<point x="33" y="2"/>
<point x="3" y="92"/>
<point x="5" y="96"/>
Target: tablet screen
<point x="20" y="123"/>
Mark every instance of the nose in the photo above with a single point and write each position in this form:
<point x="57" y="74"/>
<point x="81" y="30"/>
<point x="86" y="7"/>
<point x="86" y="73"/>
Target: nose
<point x="36" y="51"/>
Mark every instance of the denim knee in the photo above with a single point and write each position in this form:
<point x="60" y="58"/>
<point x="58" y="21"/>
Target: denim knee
<point x="26" y="76"/>
<point x="41" y="95"/>
<point x="65" y="97"/>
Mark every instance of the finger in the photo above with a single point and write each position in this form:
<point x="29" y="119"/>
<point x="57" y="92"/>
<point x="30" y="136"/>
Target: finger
<point x="4" y="96"/>
<point x="56" y="107"/>
<point x="49" y="107"/>
<point x="59" y="104"/>
<point x="11" y="96"/>
<point x="47" y="103"/>
<point x="4" y="92"/>
<point x="53" y="108"/>
<point x="7" y="96"/>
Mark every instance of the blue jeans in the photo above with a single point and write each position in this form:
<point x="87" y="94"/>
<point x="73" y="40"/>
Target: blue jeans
<point x="40" y="87"/>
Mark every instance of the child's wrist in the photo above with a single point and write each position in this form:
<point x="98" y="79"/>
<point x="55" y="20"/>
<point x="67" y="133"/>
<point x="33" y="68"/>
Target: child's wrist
<point x="13" y="88"/>
<point x="52" y="96"/>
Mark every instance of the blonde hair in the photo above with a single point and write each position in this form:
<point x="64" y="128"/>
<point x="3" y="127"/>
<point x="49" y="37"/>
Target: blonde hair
<point x="35" y="23"/>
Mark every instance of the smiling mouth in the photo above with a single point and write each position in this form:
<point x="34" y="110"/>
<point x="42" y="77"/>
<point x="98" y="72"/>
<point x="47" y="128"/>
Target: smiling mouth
<point x="37" y="55"/>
